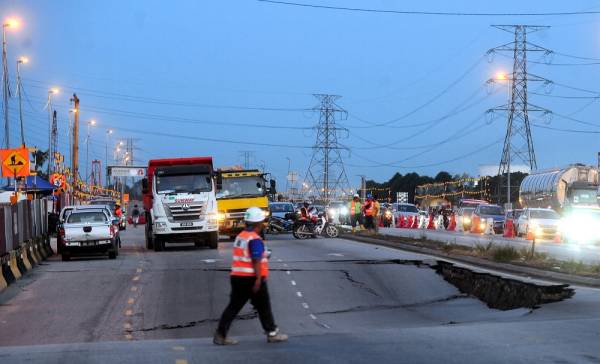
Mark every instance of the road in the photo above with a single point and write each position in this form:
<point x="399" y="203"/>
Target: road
<point x="340" y="301"/>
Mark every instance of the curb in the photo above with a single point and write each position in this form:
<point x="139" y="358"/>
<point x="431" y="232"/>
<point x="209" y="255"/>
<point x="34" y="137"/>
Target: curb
<point x="525" y="272"/>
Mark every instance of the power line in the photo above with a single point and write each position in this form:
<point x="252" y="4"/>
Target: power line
<point x="567" y="130"/>
<point x="418" y="12"/>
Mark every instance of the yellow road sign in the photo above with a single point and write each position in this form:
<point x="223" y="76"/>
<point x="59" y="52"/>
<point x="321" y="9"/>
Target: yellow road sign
<point x="15" y="162"/>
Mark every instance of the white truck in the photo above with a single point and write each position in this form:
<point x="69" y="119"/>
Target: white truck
<point x="86" y="232"/>
<point x="180" y="202"/>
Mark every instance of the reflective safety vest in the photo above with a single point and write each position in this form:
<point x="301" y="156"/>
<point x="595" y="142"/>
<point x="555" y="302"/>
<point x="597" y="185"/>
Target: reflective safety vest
<point x="241" y="262"/>
<point x="369" y="208"/>
<point x="354" y="208"/>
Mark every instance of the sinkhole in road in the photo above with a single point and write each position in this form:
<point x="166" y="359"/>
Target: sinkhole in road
<point x="496" y="291"/>
<point x="499" y="292"/>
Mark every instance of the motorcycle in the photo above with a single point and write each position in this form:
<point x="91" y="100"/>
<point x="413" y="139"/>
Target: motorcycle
<point x="278" y="225"/>
<point x="319" y="225"/>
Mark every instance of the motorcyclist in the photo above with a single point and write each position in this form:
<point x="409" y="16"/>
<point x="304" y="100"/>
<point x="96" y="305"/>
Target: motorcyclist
<point x="135" y="214"/>
<point x="306" y="217"/>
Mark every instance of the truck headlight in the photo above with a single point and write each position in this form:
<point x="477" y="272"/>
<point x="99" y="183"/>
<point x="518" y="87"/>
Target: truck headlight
<point x="344" y="211"/>
<point x="160" y="226"/>
<point x="220" y="216"/>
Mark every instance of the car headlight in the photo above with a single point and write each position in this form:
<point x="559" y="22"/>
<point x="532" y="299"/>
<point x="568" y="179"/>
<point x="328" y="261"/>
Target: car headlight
<point x="388" y="214"/>
<point x="344" y="211"/>
<point x="466" y="219"/>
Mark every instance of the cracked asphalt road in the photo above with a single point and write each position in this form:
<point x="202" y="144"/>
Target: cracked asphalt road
<point x="331" y="295"/>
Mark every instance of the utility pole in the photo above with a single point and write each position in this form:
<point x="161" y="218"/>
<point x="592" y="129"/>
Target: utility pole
<point x="363" y="186"/>
<point x="108" y="134"/>
<point x="53" y="144"/>
<point x="518" y="142"/>
<point x="326" y="172"/>
<point x="75" y="158"/>
<point x="5" y="88"/>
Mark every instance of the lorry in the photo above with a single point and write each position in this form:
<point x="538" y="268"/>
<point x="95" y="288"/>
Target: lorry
<point x="180" y="202"/>
<point x="238" y="190"/>
<point x="575" y="185"/>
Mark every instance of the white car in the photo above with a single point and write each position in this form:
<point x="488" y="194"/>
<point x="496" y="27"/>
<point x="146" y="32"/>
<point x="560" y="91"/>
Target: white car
<point x="405" y="210"/>
<point x="541" y="223"/>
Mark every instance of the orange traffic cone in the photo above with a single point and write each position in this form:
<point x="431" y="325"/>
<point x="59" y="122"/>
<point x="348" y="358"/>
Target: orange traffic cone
<point x="509" y="229"/>
<point x="557" y="238"/>
<point x="430" y="225"/>
<point x="452" y="224"/>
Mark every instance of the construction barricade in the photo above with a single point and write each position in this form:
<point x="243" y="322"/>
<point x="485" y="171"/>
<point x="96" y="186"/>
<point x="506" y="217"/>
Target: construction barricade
<point x="24" y="238"/>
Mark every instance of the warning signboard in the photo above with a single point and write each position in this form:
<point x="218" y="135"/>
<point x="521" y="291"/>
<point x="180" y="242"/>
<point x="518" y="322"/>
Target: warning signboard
<point x="127" y="171"/>
<point x="125" y="197"/>
<point x="58" y="180"/>
<point x="15" y="162"/>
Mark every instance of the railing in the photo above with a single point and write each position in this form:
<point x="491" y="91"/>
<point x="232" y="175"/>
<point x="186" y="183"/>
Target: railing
<point x="22" y="223"/>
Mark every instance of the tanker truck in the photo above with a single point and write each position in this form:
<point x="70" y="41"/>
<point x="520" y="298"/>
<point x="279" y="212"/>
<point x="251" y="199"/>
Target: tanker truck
<point x="575" y="185"/>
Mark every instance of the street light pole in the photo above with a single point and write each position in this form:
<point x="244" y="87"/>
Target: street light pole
<point x="87" y="149"/>
<point x="108" y="134"/>
<point x="21" y="61"/>
<point x="5" y="84"/>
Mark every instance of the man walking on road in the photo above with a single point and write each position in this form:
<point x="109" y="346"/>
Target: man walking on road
<point x="249" y="272"/>
<point x="376" y="214"/>
<point x="368" y="210"/>
<point x="354" y="210"/>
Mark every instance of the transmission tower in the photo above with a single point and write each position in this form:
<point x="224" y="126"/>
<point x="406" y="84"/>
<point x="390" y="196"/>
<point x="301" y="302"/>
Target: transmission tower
<point x="53" y="144"/>
<point x="96" y="173"/>
<point x="518" y="143"/>
<point x="326" y="176"/>
<point x="247" y="155"/>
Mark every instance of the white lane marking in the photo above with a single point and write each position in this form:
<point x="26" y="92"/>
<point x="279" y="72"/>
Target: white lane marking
<point x="313" y="316"/>
<point x="288" y="272"/>
<point x="305" y="305"/>
<point x="293" y="283"/>
<point x="299" y="294"/>
<point x="284" y="264"/>
<point x="336" y="254"/>
<point x="209" y="260"/>
<point x="325" y="326"/>
<point x="279" y="260"/>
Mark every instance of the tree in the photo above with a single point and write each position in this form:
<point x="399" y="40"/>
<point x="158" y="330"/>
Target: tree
<point x="443" y="176"/>
<point x="40" y="157"/>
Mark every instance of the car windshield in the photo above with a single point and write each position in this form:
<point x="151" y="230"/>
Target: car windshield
<point x="543" y="214"/>
<point x="283" y="207"/>
<point x="490" y="210"/>
<point x="183" y="183"/>
<point x="87" y="217"/>
<point x="407" y="208"/>
<point x="242" y="187"/>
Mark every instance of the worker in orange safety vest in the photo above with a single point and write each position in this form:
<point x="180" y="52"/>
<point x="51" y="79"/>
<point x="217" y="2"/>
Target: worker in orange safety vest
<point x="249" y="273"/>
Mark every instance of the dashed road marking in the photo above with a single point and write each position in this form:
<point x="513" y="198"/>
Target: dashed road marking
<point x="128" y="336"/>
<point x="181" y="361"/>
<point x="134" y="288"/>
<point x="127" y="326"/>
<point x="128" y="312"/>
<point x="136" y="278"/>
<point x="293" y="283"/>
<point x="299" y="294"/>
<point x="313" y="316"/>
<point x="139" y="270"/>
<point x="209" y="260"/>
<point x="305" y="305"/>
<point x="130" y="301"/>
<point x="288" y="272"/>
<point x="336" y="254"/>
<point x="178" y="348"/>
<point x="285" y="265"/>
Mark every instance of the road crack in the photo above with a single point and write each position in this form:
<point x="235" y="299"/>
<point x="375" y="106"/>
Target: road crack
<point x="359" y="284"/>
<point x="395" y="306"/>
<point x="247" y="316"/>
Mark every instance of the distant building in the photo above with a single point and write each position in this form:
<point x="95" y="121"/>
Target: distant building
<point x="492" y="169"/>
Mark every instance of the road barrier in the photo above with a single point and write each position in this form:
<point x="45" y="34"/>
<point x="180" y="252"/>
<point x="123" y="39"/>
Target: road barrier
<point x="24" y="238"/>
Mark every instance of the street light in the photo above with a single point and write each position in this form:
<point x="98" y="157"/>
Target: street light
<point x="108" y="134"/>
<point x="87" y="148"/>
<point x="20" y="61"/>
<point x="8" y="23"/>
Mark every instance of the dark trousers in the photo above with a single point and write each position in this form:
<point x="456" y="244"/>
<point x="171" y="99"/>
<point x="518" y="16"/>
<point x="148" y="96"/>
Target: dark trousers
<point x="241" y="292"/>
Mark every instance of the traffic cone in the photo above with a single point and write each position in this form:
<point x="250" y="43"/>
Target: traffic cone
<point x="430" y="224"/>
<point x="557" y="238"/>
<point x="529" y="235"/>
<point x="408" y="223"/>
<point x="399" y="222"/>
<point x="452" y="224"/>
<point x="509" y="229"/>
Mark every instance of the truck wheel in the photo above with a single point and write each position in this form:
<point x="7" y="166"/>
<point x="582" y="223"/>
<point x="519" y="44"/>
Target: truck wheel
<point x="148" y="231"/>
<point x="158" y="244"/>
<point x="112" y="255"/>
<point x="65" y="257"/>
<point x="213" y="240"/>
<point x="198" y="243"/>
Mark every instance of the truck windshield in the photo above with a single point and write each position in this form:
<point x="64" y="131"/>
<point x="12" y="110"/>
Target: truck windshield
<point x="242" y="187"/>
<point x="584" y="196"/>
<point x="183" y="183"/>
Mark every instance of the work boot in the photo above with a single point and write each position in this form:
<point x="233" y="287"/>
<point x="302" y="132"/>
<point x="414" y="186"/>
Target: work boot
<point x="276" y="337"/>
<point x="219" y="339"/>
<point x="353" y="230"/>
